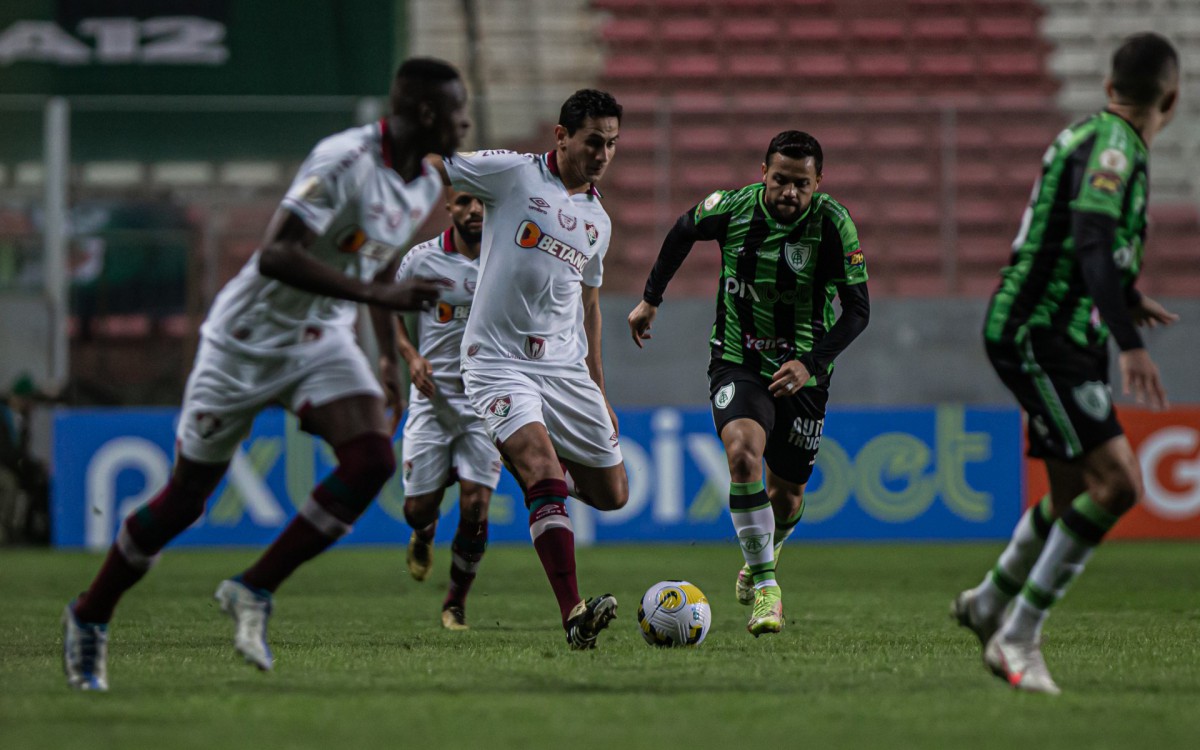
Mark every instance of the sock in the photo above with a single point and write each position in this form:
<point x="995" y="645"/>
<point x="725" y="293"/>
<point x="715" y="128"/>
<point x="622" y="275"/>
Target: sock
<point x="1004" y="581"/>
<point x="784" y="529"/>
<point x="754" y="522"/>
<point x="554" y="539"/>
<point x="140" y="539"/>
<point x="466" y="552"/>
<point x="1071" y="542"/>
<point x="365" y="463"/>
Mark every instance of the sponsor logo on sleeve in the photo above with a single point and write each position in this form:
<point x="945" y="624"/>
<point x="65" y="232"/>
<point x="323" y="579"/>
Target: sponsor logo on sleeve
<point x="711" y="201"/>
<point x="530" y="235"/>
<point x="855" y="258"/>
<point x="535" y="347"/>
<point x="1105" y="182"/>
<point x="1111" y="158"/>
<point x="500" y="406"/>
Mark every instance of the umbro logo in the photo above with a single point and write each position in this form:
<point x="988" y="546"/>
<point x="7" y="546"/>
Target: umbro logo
<point x="538" y="204"/>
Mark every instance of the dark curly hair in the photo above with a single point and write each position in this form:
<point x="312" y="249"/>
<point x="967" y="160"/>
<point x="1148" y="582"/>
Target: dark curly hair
<point x="586" y="103"/>
<point x="796" y="145"/>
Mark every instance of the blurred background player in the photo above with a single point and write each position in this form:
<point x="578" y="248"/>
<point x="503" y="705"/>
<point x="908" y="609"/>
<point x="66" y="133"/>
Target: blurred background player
<point x="444" y="439"/>
<point x="1069" y="285"/>
<point x="283" y="331"/>
<point x="786" y="251"/>
<point x="531" y="353"/>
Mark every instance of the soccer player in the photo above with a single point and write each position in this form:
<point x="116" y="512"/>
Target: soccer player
<point x="786" y="251"/>
<point x="444" y="439"/>
<point x="282" y="331"/>
<point x="1069" y="285"/>
<point x="531" y="352"/>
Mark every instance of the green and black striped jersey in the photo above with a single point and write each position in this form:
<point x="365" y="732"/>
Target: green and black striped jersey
<point x="1097" y="165"/>
<point x="778" y="281"/>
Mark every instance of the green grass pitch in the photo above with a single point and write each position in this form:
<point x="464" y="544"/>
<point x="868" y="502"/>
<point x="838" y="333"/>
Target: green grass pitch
<point x="869" y="657"/>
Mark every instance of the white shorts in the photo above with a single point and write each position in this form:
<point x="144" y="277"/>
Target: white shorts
<point x="226" y="391"/>
<point x="572" y="409"/>
<point x="445" y="434"/>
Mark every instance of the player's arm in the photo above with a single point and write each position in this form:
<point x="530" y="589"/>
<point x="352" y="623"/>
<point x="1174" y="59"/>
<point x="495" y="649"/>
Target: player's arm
<point x="1094" y="234"/>
<point x="592" y="327"/>
<point x="419" y="368"/>
<point x="383" y="325"/>
<point x="284" y="257"/>
<point x="675" y="248"/>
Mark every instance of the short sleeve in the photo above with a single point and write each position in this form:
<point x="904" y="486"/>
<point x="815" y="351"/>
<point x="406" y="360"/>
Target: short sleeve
<point x="408" y="266"/>
<point x="488" y="175"/>
<point x="321" y="186"/>
<point x="840" y="240"/>
<point x="1106" y="177"/>
<point x="593" y="272"/>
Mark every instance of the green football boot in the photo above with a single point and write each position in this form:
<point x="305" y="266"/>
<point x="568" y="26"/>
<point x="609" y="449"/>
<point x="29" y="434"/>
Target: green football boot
<point x="767" y="616"/>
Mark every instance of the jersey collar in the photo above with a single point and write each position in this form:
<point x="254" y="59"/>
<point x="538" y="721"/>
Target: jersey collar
<point x="1128" y="124"/>
<point x="551" y="159"/>
<point x="448" y="242"/>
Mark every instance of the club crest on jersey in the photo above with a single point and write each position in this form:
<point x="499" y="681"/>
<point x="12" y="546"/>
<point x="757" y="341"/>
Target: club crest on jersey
<point x="724" y="395"/>
<point x="1093" y="399"/>
<point x="469" y="285"/>
<point x="567" y="221"/>
<point x="535" y="347"/>
<point x="501" y="406"/>
<point x="797" y="255"/>
<point x="1114" y="159"/>
<point x="531" y="235"/>
<point x="593" y="234"/>
<point x="207" y="424"/>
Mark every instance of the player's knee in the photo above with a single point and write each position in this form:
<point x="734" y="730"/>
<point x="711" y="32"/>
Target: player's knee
<point x="367" y="463"/>
<point x="613" y="494"/>
<point x="421" y="510"/>
<point x="473" y="504"/>
<point x="1123" y="492"/>
<point x="744" y="463"/>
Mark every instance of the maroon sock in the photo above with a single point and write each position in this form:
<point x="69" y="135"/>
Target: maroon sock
<point x="141" y="537"/>
<point x="116" y="576"/>
<point x="466" y="551"/>
<point x="554" y="540"/>
<point x="365" y="463"/>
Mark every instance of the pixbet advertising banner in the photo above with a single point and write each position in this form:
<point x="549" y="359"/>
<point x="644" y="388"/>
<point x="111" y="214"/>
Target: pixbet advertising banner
<point x="1167" y="445"/>
<point x="931" y="473"/>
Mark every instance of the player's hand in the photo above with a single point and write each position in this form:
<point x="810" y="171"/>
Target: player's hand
<point x="640" y="320"/>
<point x="1139" y="376"/>
<point x="422" y="376"/>
<point x="788" y="379"/>
<point x="408" y="295"/>
<point x="1150" y="314"/>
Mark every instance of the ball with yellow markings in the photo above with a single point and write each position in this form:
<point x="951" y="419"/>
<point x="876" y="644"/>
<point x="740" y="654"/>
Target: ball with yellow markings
<point x="674" y="613"/>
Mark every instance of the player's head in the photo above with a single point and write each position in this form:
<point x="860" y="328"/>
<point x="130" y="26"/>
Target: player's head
<point x="429" y="94"/>
<point x="466" y="211"/>
<point x="1145" y="75"/>
<point x="586" y="134"/>
<point x="791" y="173"/>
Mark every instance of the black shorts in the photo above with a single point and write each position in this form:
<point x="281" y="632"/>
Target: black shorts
<point x="793" y="423"/>
<point x="1063" y="389"/>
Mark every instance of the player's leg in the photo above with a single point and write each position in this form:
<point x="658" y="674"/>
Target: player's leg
<point x="478" y="467"/>
<point x="466" y="551"/>
<point x="214" y="420"/>
<point x="140" y="539"/>
<point x="427" y="472"/>
<point x="982" y="608"/>
<point x="358" y="429"/>
<point x="1078" y="427"/>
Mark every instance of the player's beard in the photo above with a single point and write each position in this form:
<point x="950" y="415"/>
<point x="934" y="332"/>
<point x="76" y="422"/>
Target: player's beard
<point x="468" y="236"/>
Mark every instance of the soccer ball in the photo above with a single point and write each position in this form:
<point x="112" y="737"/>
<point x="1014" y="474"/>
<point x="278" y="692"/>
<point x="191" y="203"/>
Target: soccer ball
<point x="674" y="613"/>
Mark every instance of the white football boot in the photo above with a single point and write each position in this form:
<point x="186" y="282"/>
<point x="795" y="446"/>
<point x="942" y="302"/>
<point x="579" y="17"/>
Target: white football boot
<point x="85" y="652"/>
<point x="1020" y="664"/>
<point x="250" y="611"/>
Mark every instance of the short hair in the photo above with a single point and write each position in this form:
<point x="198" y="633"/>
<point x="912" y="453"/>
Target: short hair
<point x="416" y="78"/>
<point x="1140" y="67"/>
<point x="796" y="144"/>
<point x="586" y="103"/>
